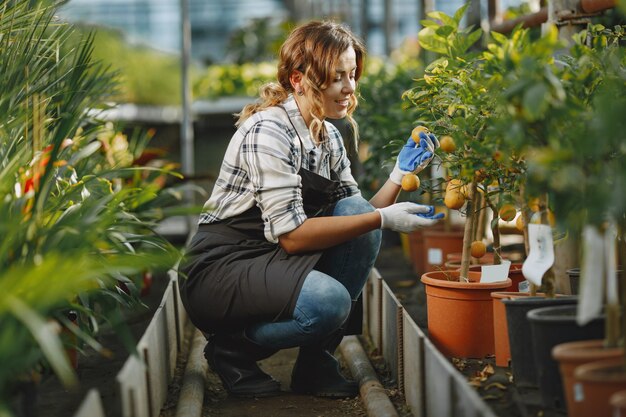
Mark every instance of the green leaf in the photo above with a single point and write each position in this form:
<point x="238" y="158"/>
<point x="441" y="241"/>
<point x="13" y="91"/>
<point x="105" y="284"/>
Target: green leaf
<point x="429" y="40"/>
<point x="534" y="100"/>
<point x="45" y="333"/>
<point x="444" y="18"/>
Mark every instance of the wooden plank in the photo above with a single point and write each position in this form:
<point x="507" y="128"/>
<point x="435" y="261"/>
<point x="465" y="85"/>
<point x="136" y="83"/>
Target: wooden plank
<point x="413" y="346"/>
<point x="91" y="405"/>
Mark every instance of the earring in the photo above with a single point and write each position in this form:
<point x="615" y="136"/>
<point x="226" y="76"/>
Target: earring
<point x="300" y="92"/>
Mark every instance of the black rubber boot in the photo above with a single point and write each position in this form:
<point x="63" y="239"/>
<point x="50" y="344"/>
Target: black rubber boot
<point x="318" y="374"/>
<point x="317" y="371"/>
<point x="233" y="357"/>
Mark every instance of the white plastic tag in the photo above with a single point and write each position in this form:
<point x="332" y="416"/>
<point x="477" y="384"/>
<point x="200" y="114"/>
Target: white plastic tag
<point x="495" y="273"/>
<point x="591" y="273"/>
<point x="435" y="256"/>
<point x="540" y="253"/>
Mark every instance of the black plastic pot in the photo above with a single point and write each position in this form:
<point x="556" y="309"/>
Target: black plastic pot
<point x="574" y="279"/>
<point x="551" y="326"/>
<point x="522" y="358"/>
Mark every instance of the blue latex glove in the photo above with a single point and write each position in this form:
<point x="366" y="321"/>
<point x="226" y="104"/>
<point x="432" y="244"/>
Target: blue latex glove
<point x="414" y="157"/>
<point x="430" y="214"/>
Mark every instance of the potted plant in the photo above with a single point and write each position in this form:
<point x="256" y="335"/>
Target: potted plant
<point x="551" y="110"/>
<point x="601" y="211"/>
<point x="75" y="220"/>
<point x="451" y="99"/>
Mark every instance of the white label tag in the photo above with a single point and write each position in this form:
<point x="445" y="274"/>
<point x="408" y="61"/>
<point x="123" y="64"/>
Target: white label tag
<point x="540" y="254"/>
<point x="524" y="286"/>
<point x="579" y="395"/>
<point x="435" y="256"/>
<point x="495" y="273"/>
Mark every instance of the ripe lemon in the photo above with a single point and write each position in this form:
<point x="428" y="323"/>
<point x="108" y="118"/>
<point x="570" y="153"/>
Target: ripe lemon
<point x="454" y="199"/>
<point x="454" y="185"/>
<point x="410" y="182"/>
<point x="478" y="249"/>
<point x="447" y="144"/>
<point x="415" y="133"/>
<point x="507" y="212"/>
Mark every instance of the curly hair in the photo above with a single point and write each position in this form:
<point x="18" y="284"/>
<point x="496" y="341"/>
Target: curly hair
<point x="313" y="49"/>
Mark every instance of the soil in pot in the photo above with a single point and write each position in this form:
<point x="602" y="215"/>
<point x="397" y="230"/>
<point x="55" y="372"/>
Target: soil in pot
<point x="522" y="357"/>
<point x="570" y="355"/>
<point x="551" y="326"/>
<point x="460" y="314"/>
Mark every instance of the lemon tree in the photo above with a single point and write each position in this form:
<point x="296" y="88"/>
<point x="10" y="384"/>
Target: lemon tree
<point x="456" y="99"/>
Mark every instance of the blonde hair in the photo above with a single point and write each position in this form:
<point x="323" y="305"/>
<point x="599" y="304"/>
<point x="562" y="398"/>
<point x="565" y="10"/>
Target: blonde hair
<point x="313" y="49"/>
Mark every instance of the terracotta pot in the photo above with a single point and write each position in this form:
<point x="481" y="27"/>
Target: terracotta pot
<point x="570" y="355"/>
<point x="598" y="382"/>
<point x="500" y="327"/>
<point x="618" y="404"/>
<point x="460" y="314"/>
<point x="437" y="245"/>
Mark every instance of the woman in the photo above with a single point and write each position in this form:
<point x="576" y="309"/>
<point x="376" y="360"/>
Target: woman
<point x="286" y="242"/>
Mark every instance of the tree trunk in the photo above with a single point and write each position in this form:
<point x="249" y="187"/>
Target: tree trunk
<point x="468" y="232"/>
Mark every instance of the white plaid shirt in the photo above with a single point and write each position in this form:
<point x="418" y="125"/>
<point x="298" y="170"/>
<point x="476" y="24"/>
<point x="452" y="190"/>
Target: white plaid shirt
<point x="261" y="167"/>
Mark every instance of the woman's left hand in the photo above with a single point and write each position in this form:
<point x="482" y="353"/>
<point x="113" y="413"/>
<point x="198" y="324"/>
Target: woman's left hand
<point x="414" y="157"/>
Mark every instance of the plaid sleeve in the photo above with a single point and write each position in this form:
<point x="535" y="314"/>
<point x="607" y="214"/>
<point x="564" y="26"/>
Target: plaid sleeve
<point x="269" y="154"/>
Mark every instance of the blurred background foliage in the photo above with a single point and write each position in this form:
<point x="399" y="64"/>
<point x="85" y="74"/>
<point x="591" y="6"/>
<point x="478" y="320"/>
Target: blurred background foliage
<point x="80" y="201"/>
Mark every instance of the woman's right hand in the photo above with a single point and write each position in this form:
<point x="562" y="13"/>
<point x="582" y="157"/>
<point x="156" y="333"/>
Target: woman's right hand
<point x="414" y="157"/>
<point x="406" y="217"/>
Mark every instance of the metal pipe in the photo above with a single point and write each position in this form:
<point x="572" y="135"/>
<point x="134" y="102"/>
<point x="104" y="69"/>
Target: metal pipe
<point x="593" y="6"/>
<point x="377" y="403"/>
<point x="186" y="124"/>
<point x="528" y="21"/>
<point x="192" y="392"/>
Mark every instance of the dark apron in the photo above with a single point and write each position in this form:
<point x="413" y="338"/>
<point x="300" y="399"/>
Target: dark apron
<point x="233" y="277"/>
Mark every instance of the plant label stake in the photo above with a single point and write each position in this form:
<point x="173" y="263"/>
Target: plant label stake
<point x="541" y="253"/>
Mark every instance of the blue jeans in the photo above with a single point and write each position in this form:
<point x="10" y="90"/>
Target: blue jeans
<point x="325" y="299"/>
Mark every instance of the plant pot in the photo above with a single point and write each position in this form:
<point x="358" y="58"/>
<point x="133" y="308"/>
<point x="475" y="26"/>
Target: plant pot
<point x="551" y="326"/>
<point x="570" y="355"/>
<point x="618" y="404"/>
<point x="460" y="314"/>
<point x="438" y="244"/>
<point x="574" y="279"/>
<point x="522" y="357"/>
<point x="500" y="328"/>
<point x="598" y="382"/>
